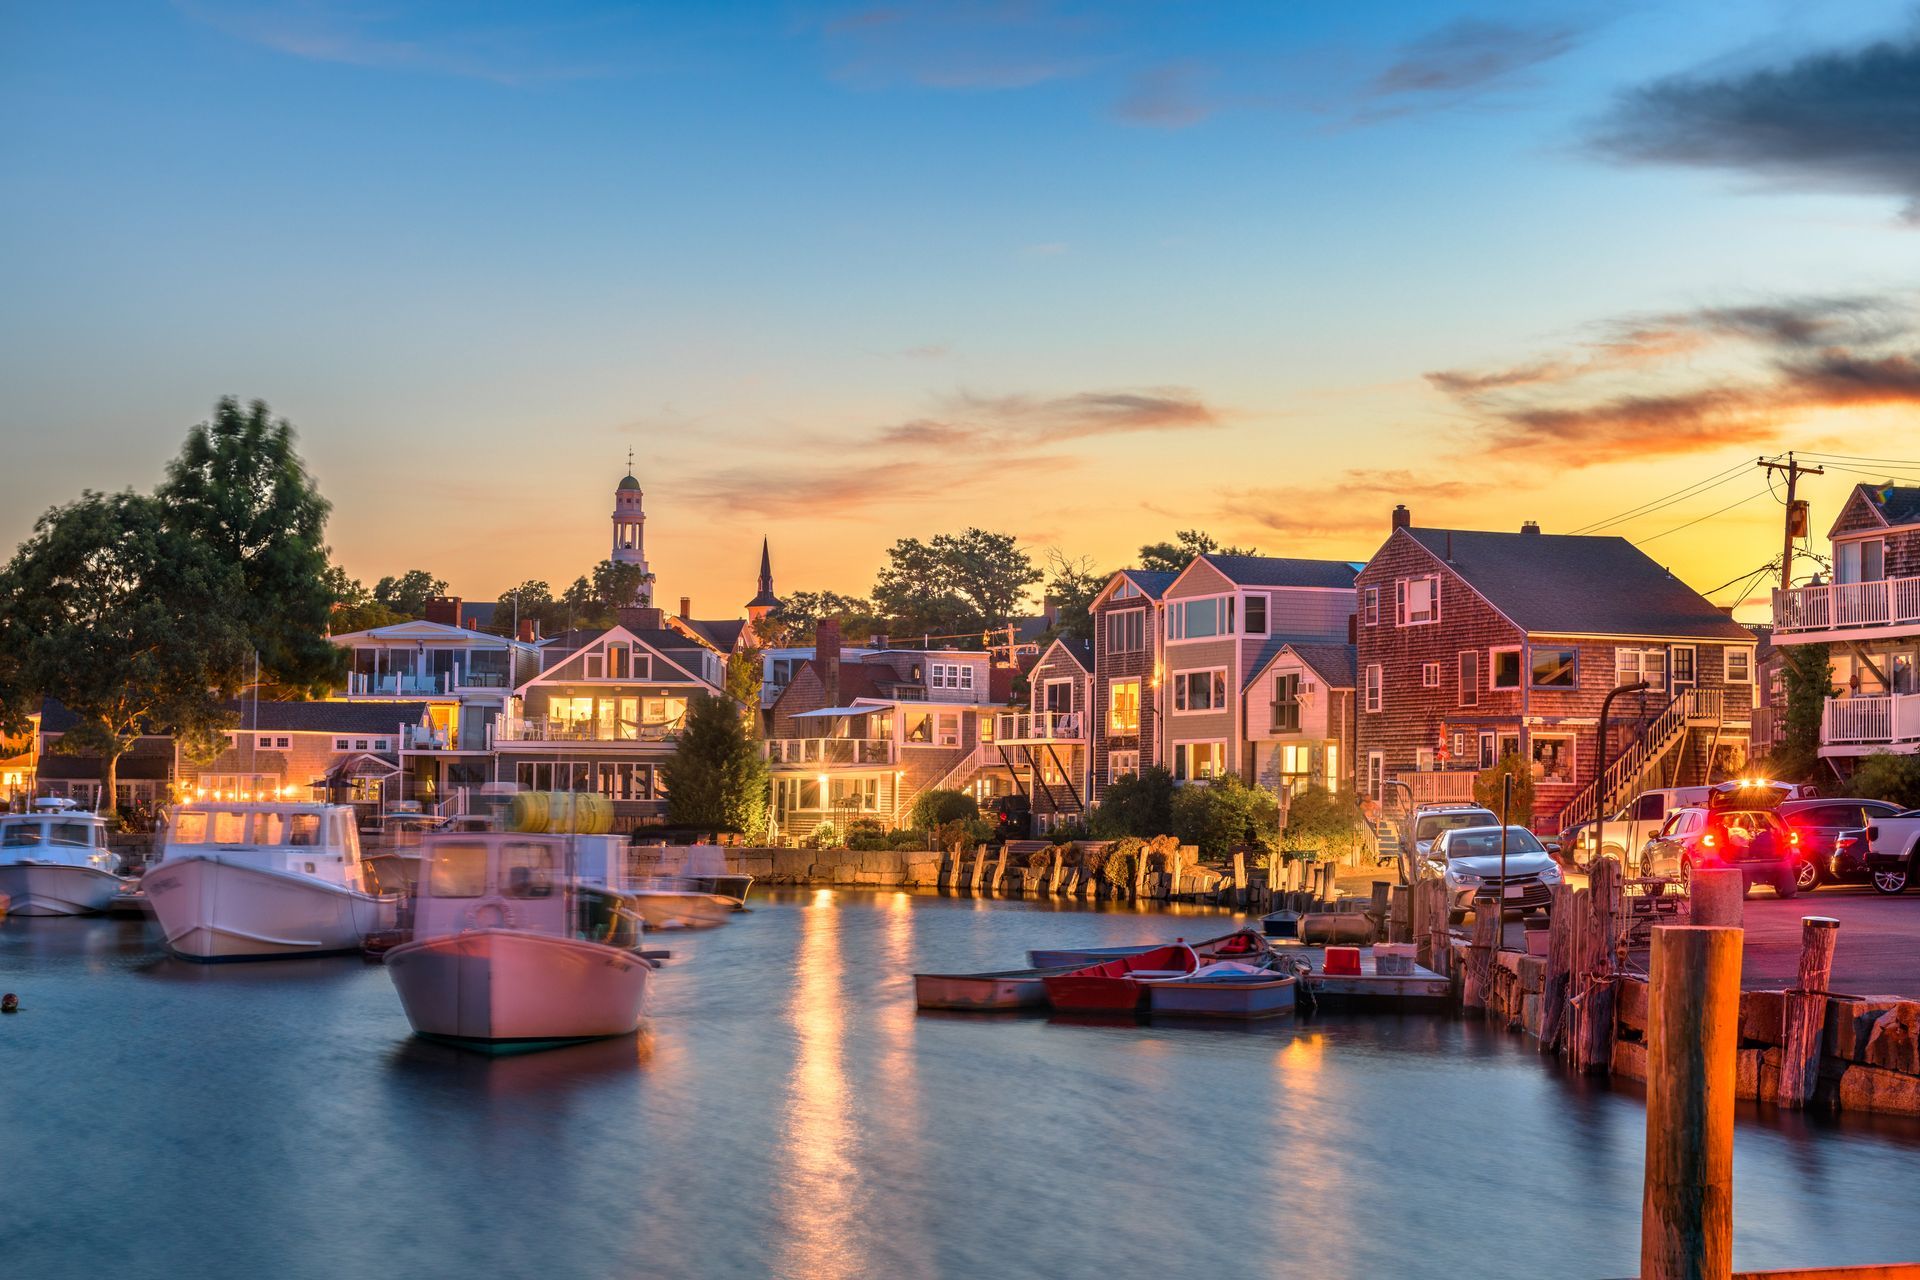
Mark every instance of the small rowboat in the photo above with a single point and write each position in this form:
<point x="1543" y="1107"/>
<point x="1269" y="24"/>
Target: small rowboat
<point x="1242" y="944"/>
<point x="1120" y="984"/>
<point x="1224" y="990"/>
<point x="981" y="992"/>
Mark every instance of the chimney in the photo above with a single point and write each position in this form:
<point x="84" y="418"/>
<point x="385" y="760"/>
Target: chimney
<point x="1050" y="609"/>
<point x="1353" y="628"/>
<point x="686" y="608"/>
<point x="1402" y="518"/>
<point x="1531" y="527"/>
<point x="877" y="640"/>
<point x="527" y="633"/>
<point x="444" y="609"/>
<point x="826" y="651"/>
<point x="640" y="617"/>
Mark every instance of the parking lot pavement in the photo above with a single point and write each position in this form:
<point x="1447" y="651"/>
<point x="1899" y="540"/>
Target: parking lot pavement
<point x="1878" y="952"/>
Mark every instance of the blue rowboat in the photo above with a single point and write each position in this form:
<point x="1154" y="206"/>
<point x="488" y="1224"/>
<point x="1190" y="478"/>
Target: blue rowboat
<point x="1226" y="990"/>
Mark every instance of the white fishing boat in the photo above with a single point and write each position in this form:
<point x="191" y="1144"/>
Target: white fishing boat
<point x="256" y="881"/>
<point x="54" y="861"/>
<point x="663" y="901"/>
<point x="511" y="950"/>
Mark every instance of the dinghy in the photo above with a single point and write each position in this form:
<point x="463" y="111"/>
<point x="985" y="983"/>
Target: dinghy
<point x="1242" y="944"/>
<point x="1227" y="989"/>
<point x="984" y="992"/>
<point x="1119" y="984"/>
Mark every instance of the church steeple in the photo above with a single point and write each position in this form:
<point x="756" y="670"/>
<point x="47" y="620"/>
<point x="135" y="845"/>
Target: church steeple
<point x="630" y="531"/>
<point x="765" y="602"/>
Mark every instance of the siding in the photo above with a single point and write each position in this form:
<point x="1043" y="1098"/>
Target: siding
<point x="1110" y="666"/>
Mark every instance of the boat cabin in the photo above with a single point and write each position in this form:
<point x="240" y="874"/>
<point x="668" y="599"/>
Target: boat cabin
<point x="55" y="833"/>
<point x="514" y="880"/>
<point x="316" y="840"/>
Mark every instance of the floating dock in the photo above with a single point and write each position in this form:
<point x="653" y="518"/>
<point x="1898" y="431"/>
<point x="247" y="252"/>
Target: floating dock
<point x="1372" y="990"/>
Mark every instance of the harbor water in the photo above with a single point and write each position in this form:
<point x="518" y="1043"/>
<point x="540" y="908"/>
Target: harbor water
<point x="788" y="1113"/>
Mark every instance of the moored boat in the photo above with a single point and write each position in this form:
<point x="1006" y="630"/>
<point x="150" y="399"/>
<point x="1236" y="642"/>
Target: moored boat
<point x="1241" y="944"/>
<point x="1119" y="984"/>
<point x="54" y="861"/>
<point x="263" y="880"/>
<point x="511" y="951"/>
<point x="1227" y="989"/>
<point x="983" y="992"/>
<point x="664" y="902"/>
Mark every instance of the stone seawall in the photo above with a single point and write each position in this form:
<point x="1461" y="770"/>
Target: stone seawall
<point x="871" y="869"/>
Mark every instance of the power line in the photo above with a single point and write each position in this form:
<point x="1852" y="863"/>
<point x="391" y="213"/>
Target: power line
<point x="1852" y="457"/>
<point x="1713" y="481"/>
<point x="1764" y="493"/>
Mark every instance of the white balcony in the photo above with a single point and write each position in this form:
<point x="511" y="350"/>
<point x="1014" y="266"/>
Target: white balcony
<point x="1039" y="726"/>
<point x="832" y="751"/>
<point x="1890" y="603"/>
<point x="537" y="729"/>
<point x="1886" y="721"/>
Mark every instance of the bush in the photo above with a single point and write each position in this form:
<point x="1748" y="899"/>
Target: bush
<point x="933" y="809"/>
<point x="1039" y="860"/>
<point x="823" y="837"/>
<point x="1318" y="821"/>
<point x="1123" y="861"/>
<point x="1884" y="776"/>
<point x="1093" y="861"/>
<point x="906" y="838"/>
<point x="868" y="835"/>
<point x="1139" y="805"/>
<point x="1067" y="832"/>
<point x="1488" y="789"/>
<point x="1216" y="815"/>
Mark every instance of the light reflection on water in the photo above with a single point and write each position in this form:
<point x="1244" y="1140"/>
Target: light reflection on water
<point x="787" y="1113"/>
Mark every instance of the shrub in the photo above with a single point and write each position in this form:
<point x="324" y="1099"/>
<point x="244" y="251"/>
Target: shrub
<point x="1884" y="776"/>
<point x="867" y="834"/>
<point x="823" y="837"/>
<point x="1137" y="805"/>
<point x="1217" y="815"/>
<point x="906" y="838"/>
<point x="1488" y="789"/>
<point x="1039" y="860"/>
<point x="1093" y="860"/>
<point x="1321" y="822"/>
<point x="936" y="808"/>
<point x="1067" y="832"/>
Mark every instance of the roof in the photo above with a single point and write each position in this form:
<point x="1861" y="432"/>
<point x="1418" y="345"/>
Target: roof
<point x="1077" y="649"/>
<point x="1152" y="582"/>
<point x="1029" y="630"/>
<point x="722" y="633"/>
<point x="1334" y="663"/>
<point x="1897" y="504"/>
<point x="1283" y="571"/>
<point x="627" y="482"/>
<point x="325" y="717"/>
<point x="1577" y="584"/>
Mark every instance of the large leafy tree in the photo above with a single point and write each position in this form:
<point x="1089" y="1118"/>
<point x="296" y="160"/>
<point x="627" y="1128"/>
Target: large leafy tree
<point x="241" y="490"/>
<point x="1172" y="557"/>
<point x="716" y="777"/>
<point x="615" y="585"/>
<point x="131" y="620"/>
<point x="802" y="612"/>
<point x="955" y="583"/>
<point x="408" y="594"/>
<point x="1071" y="586"/>
<point x="354" y="608"/>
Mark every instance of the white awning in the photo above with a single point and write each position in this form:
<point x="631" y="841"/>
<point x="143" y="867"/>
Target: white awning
<point x="828" y="713"/>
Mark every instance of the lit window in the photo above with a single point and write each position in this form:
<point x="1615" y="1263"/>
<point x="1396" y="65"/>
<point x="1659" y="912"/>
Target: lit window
<point x="1123" y="706"/>
<point x="1429" y="675"/>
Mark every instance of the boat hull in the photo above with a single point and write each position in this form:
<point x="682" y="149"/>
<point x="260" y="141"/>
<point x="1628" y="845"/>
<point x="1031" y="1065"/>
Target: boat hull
<point x="57" y="889"/>
<point x="506" y="988"/>
<point x="1242" y="944"/>
<point x="213" y="909"/>
<point x="1073" y="993"/>
<point x="1227" y="998"/>
<point x="734" y="888"/>
<point x="674" y="909"/>
<point x="982" y="992"/>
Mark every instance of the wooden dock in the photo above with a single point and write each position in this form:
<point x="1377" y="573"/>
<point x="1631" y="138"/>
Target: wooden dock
<point x="1421" y="990"/>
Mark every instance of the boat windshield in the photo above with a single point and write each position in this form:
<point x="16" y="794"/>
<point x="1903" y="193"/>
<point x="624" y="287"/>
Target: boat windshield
<point x="1486" y="844"/>
<point x="527" y="870"/>
<point x="217" y="826"/>
<point x="457" y="870"/>
<point x="301" y="829"/>
<point x="77" y="835"/>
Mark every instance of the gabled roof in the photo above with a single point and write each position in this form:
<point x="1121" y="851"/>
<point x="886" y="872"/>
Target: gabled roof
<point x="1152" y="583"/>
<point x="664" y="644"/>
<point x="1575" y="584"/>
<point x="722" y="634"/>
<point x="325" y="717"/>
<point x="1079" y="650"/>
<point x="1282" y="571"/>
<point x="420" y="629"/>
<point x="1333" y="663"/>
<point x="1892" y="503"/>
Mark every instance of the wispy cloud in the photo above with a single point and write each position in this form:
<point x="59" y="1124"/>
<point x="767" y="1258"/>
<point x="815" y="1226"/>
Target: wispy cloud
<point x="972" y="45"/>
<point x="1462" y="61"/>
<point x="1845" y="120"/>
<point x="1772" y="361"/>
<point x="844" y="488"/>
<point x="1350" y="507"/>
<point x="1170" y="96"/>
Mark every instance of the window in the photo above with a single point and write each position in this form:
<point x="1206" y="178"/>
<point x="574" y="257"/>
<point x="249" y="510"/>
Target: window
<point x="1470" y="677"/>
<point x="1193" y="761"/>
<point x="360" y="744"/>
<point x="1423" y="759"/>
<point x="382" y="744"/>
<point x="526" y="870"/>
<point x="1631" y="666"/>
<point x="946" y="728"/>
<point x="1370" y="605"/>
<point x="1376" y="774"/>
<point x="342" y="744"/>
<point x="1861" y="561"/>
<point x="1199" y="619"/>
<point x="281" y="744"/>
<point x="1739" y="666"/>
<point x="1649" y="807"/>
<point x="1418" y="600"/>
<point x="854" y="793"/>
<point x="458" y="871"/>
<point x="622" y="780"/>
<point x="23" y="834"/>
<point x="1122" y="764"/>
<point x="1556" y="668"/>
<point x="1126" y="590"/>
<point x="1552" y="759"/>
<point x="1503" y="668"/>
<point x="303" y="829"/>
<point x="1286" y="703"/>
<point x="1127" y="631"/>
<point x="264" y="743"/>
<point x="1123" y="707"/>
<point x="950" y="675"/>
<point x="1681" y="664"/>
<point x="1429" y="675"/>
<point x="1200" y="690"/>
<point x="1256" y="615"/>
<point x="1489" y="755"/>
<point x="918" y="726"/>
<point x="1376" y="695"/>
<point x="1057" y="697"/>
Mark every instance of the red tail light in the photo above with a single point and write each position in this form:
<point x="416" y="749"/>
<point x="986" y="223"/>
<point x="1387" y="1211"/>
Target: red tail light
<point x="1709" y="840"/>
<point x="1793" y="837"/>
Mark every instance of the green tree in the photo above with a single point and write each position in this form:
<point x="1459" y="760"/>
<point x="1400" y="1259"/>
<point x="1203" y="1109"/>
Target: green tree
<point x="743" y="680"/>
<point x="1885" y="776"/>
<point x="1489" y="789"/>
<point x="239" y="487"/>
<point x="1223" y="812"/>
<point x="616" y="585"/>
<point x="1320" y="820"/>
<point x="1072" y="585"/>
<point x="1806" y="672"/>
<point x="354" y="608"/>
<point x="955" y="583"/>
<point x="407" y="595"/>
<point x="802" y="612"/>
<point x="1135" y="805"/>
<point x="532" y="599"/>
<point x="716" y="777"/>
<point x="129" y="620"/>
<point x="1172" y="557"/>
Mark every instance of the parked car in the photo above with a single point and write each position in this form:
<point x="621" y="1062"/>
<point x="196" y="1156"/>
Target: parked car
<point x="1628" y="830"/>
<point x="1755" y="841"/>
<point x="1893" y="851"/>
<point x="1468" y="859"/>
<point x="1012" y="817"/>
<point x="1429" y="821"/>
<point x="1821" y="826"/>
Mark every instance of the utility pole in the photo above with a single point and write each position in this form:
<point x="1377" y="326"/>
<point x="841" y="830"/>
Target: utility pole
<point x="1796" y="511"/>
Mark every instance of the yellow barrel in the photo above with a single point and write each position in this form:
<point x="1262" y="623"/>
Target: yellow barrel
<point x="528" y="811"/>
<point x="561" y="812"/>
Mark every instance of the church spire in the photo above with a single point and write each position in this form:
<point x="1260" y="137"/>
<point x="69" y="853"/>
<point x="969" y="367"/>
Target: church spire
<point x="765" y="602"/>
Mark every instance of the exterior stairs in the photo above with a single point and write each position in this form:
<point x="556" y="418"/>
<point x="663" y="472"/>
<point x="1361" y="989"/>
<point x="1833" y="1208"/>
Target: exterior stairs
<point x="1638" y="766"/>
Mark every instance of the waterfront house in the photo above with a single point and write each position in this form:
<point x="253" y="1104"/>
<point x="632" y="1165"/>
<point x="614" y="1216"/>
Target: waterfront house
<point x="1869" y="617"/>
<point x="1047" y="745"/>
<point x="1217" y="618"/>
<point x="1125" y="683"/>
<point x="604" y="712"/>
<point x="1473" y="645"/>
<point x="337" y="751"/>
<point x="143" y="777"/>
<point x="1299" y="716"/>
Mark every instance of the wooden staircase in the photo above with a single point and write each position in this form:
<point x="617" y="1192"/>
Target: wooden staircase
<point x="1635" y="767"/>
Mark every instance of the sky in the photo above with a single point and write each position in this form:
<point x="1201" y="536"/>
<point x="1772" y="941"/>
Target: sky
<point x="840" y="274"/>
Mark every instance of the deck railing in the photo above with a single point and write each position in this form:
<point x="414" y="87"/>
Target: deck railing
<point x="1039" y="726"/>
<point x="542" y="729"/>
<point x="1885" y="718"/>
<point x="1841" y="606"/>
<point x="832" y="751"/>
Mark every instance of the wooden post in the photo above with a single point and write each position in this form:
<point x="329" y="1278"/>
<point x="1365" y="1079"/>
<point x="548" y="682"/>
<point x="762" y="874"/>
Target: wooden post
<point x="1604" y="883"/>
<point x="1715" y="896"/>
<point x="1693" y="1033"/>
<point x="1400" y="915"/>
<point x="1239" y="879"/>
<point x="1805" y="1017"/>
<point x="1140" y="874"/>
<point x="1420" y="927"/>
<point x="1000" y="869"/>
<point x="979" y="868"/>
<point x="1480" y="959"/>
<point x="1440" y="941"/>
<point x="1382" y="895"/>
<point x="1059" y="869"/>
<point x="1553" y="990"/>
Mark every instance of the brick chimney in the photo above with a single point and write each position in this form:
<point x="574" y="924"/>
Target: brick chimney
<point x="641" y="617"/>
<point x="1531" y="526"/>
<point x="1050" y="609"/>
<point x="444" y="609"/>
<point x="527" y="632"/>
<point x="686" y="608"/>
<point x="1402" y="518"/>
<point x="826" y="652"/>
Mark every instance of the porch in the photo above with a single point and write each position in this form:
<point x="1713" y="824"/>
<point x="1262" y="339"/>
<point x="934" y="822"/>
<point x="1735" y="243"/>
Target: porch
<point x="1862" y="725"/>
<point x="1856" y="610"/>
<point x="1039" y="726"/>
<point x="810" y="752"/>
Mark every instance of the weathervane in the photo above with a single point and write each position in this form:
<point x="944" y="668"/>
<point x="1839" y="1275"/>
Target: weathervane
<point x="629" y="459"/>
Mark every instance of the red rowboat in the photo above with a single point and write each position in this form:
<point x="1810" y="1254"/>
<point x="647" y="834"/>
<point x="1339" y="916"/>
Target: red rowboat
<point x="1116" y="985"/>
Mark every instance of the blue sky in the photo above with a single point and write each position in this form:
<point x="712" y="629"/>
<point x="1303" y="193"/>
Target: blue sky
<point x="845" y="273"/>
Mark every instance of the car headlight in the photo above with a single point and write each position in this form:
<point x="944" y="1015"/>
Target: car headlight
<point x="1550" y="872"/>
<point x="1466" y="878"/>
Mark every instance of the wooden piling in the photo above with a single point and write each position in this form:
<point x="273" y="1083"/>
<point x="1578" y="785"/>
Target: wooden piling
<point x="1693" y="1029"/>
<point x="1382" y="896"/>
<point x="1553" y="989"/>
<point x="1000" y="869"/>
<point x="1714" y="897"/>
<point x="1058" y="869"/>
<point x="1481" y="959"/>
<point x="1805" y="1017"/>
<point x="1439" y="927"/>
<point x="1239" y="879"/>
<point x="979" y="868"/>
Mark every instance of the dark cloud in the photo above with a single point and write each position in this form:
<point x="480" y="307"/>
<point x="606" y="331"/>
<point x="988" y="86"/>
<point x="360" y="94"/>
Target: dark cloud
<point x="1837" y="121"/>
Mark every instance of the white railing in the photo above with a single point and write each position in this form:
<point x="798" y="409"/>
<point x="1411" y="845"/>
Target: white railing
<point x="1039" y="726"/>
<point x="832" y="751"/>
<point x="397" y="684"/>
<point x="1885" y="718"/>
<point x="415" y="738"/>
<point x="1439" y="786"/>
<point x="543" y="729"/>
<point x="1889" y="602"/>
